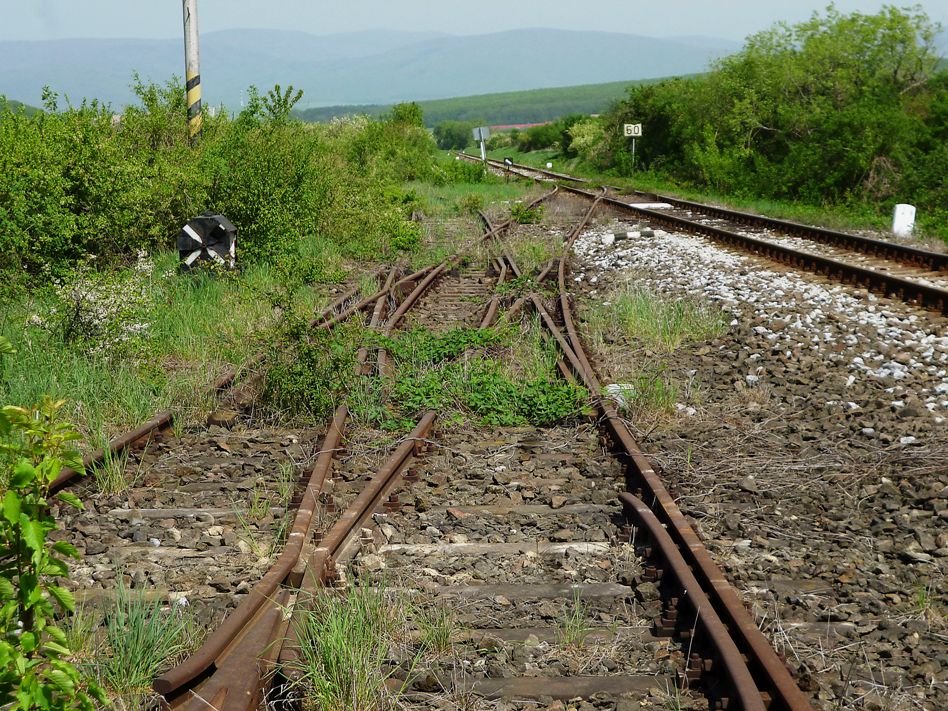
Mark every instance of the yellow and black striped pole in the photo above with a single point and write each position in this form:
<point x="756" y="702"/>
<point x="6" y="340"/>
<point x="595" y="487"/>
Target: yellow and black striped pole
<point x="192" y="69"/>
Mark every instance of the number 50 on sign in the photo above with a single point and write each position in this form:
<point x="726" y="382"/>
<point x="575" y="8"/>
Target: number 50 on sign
<point x="633" y="130"/>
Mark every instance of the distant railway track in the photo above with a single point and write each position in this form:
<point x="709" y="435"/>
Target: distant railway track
<point x="913" y="275"/>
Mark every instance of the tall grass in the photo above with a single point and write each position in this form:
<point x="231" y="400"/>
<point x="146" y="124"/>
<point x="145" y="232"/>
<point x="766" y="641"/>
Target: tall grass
<point x="654" y="321"/>
<point x="650" y="327"/>
<point x="346" y="643"/>
<point x="142" y="641"/>
<point x="197" y="327"/>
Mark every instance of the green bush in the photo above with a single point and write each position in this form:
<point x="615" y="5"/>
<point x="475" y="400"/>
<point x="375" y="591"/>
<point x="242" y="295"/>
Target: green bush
<point x="35" y="667"/>
<point x="840" y="109"/>
<point x="525" y="215"/>
<point x="81" y="182"/>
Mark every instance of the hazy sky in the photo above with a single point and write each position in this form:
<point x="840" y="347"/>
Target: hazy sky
<point x="732" y="19"/>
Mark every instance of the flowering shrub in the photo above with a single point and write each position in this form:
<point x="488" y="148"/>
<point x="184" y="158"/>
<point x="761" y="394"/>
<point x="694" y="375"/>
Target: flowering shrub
<point x="104" y="313"/>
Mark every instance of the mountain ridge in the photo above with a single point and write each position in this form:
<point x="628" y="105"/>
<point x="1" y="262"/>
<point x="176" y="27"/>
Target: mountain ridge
<point x="351" y="68"/>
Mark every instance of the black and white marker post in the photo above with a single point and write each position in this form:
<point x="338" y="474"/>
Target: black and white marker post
<point x="207" y="238"/>
<point x="481" y="134"/>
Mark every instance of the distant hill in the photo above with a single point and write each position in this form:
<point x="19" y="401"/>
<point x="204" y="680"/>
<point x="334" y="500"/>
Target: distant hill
<point x="355" y="68"/>
<point x="533" y="106"/>
<point x="15" y="105"/>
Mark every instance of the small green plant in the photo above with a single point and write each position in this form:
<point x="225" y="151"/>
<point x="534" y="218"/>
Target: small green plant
<point x="346" y="643"/>
<point x="404" y="235"/>
<point x="471" y="203"/>
<point x="573" y="627"/>
<point x="142" y="640"/>
<point x="653" y="389"/>
<point x="436" y="624"/>
<point x="111" y="474"/>
<point x="525" y="215"/>
<point x="36" y="670"/>
<point x="657" y="321"/>
<point x="523" y="285"/>
<point x="311" y="370"/>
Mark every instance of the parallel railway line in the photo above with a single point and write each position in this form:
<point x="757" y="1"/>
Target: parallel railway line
<point x="899" y="271"/>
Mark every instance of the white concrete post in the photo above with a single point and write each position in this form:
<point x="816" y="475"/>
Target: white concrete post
<point x="903" y="220"/>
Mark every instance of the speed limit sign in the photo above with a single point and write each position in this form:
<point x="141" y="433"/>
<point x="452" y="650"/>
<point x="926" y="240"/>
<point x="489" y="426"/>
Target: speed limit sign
<point x="632" y="130"/>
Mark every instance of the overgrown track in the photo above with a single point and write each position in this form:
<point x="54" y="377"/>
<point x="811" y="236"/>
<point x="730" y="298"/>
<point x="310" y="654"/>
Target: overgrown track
<point x="898" y="271"/>
<point x="722" y="635"/>
<point x="727" y="656"/>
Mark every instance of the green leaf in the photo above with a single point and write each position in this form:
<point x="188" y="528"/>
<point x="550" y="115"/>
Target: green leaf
<point x="28" y="642"/>
<point x="62" y="681"/>
<point x="55" y="568"/>
<point x="67" y="497"/>
<point x="63" y="597"/>
<point x="6" y="589"/>
<point x="11" y="507"/>
<point x="32" y="533"/>
<point x="65" y="548"/>
<point x="57" y="634"/>
<point x="57" y="648"/>
<point x="23" y="474"/>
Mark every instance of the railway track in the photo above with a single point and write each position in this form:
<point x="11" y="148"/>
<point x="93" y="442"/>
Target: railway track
<point x="898" y="271"/>
<point x="532" y="524"/>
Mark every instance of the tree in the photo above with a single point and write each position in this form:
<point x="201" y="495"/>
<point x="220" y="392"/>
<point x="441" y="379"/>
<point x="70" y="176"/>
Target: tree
<point x="408" y="113"/>
<point x="454" y="135"/>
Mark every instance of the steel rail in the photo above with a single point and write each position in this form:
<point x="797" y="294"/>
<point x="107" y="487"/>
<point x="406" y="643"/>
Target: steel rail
<point x="912" y="256"/>
<point x="906" y="254"/>
<point x="763" y="678"/>
<point x="225" y="668"/>
<point x="704" y="615"/>
<point x="907" y="289"/>
<point x="707" y="619"/>
<point x="165" y="418"/>
<point x="770" y="673"/>
<point x="224" y="641"/>
<point x="923" y="295"/>
<point x="319" y="565"/>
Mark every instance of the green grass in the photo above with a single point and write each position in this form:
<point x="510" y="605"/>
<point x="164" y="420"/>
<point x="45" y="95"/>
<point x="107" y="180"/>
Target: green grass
<point x="649" y="328"/>
<point x="573" y="626"/>
<point x="346" y="643"/>
<point x="142" y="641"/>
<point x="436" y="625"/>
<point x="198" y="326"/>
<point x="482" y="376"/>
<point x="449" y="200"/>
<point x="653" y="321"/>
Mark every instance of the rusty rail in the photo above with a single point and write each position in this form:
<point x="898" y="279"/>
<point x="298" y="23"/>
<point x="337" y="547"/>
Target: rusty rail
<point x="756" y="677"/>
<point x="224" y="644"/>
<point x="226" y="670"/>
<point x="771" y="676"/>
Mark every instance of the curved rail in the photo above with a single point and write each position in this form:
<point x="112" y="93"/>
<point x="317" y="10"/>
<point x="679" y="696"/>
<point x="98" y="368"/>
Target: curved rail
<point x="912" y="256"/>
<point x="757" y="677"/>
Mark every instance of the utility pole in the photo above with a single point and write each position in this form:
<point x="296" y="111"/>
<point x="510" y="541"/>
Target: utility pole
<point x="192" y="69"/>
